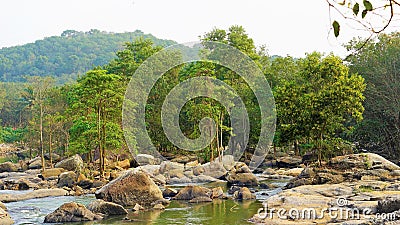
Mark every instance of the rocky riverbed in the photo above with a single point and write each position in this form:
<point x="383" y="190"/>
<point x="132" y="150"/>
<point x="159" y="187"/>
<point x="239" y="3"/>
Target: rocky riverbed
<point x="365" y="186"/>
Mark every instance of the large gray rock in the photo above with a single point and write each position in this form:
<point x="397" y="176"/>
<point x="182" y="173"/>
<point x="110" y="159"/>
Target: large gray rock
<point x="35" y="163"/>
<point x="74" y="163"/>
<point x="228" y="161"/>
<point x="167" y="166"/>
<point x="131" y="188"/>
<point x="71" y="212"/>
<point x="106" y="208"/>
<point x="41" y="193"/>
<point x="242" y="179"/>
<point x="66" y="179"/>
<point x="191" y="192"/>
<point x="214" y="169"/>
<point x="243" y="194"/>
<point x="145" y="159"/>
<point x="8" y="167"/>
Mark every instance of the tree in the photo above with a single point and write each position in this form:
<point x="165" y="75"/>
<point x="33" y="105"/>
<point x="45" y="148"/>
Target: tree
<point x="321" y="102"/>
<point x="37" y="94"/>
<point x="97" y="101"/>
<point x="378" y="63"/>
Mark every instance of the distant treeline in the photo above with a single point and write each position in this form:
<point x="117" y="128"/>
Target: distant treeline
<point x="64" y="57"/>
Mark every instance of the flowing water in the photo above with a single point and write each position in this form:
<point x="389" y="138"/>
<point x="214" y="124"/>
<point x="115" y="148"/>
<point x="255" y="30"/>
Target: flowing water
<point x="178" y="212"/>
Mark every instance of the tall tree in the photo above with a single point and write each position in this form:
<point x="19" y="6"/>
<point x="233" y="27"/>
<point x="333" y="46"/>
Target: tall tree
<point x="37" y="94"/>
<point x="378" y="63"/>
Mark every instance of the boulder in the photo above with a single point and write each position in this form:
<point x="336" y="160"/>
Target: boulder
<point x="85" y="184"/>
<point x="228" y="161"/>
<point x="243" y="194"/>
<point x="190" y="192"/>
<point x="388" y="205"/>
<point x="125" y="164"/>
<point x="41" y="193"/>
<point x="241" y="167"/>
<point x="169" y="192"/>
<point x="106" y="208"/>
<point x="74" y="163"/>
<point x="35" y="163"/>
<point x="131" y="188"/>
<point x="5" y="218"/>
<point x="54" y="157"/>
<point x="8" y="167"/>
<point x="288" y="161"/>
<point x="167" y="166"/>
<point x="152" y="170"/>
<point x="71" y="212"/>
<point x="242" y="179"/>
<point x="217" y="192"/>
<point x="214" y="169"/>
<point x="66" y="179"/>
<point x="145" y="159"/>
<point x="53" y="172"/>
<point x="181" y="159"/>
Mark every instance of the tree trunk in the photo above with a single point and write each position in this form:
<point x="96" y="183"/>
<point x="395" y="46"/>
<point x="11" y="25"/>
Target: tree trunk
<point x="41" y="137"/>
<point x="50" y="151"/>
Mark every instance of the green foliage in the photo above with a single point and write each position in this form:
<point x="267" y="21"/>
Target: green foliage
<point x="336" y="28"/>
<point x="378" y="63"/>
<point x="10" y="135"/>
<point x="66" y="56"/>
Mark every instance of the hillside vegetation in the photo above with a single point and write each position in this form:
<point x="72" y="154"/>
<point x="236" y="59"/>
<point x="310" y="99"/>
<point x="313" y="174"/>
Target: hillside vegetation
<point x="67" y="55"/>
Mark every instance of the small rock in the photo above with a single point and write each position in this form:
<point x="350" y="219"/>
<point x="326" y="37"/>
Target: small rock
<point x="106" y="208"/>
<point x="137" y="207"/>
<point x="71" y="212"/>
<point x="190" y="192"/>
<point x="217" y="192"/>
<point x="159" y="207"/>
<point x="169" y="192"/>
<point x="243" y="194"/>
<point x="242" y="179"/>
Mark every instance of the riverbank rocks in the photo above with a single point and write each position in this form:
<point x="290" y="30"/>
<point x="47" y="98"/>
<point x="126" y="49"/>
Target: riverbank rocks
<point x="124" y="164"/>
<point x="190" y="192"/>
<point x="8" y="167"/>
<point x="349" y="168"/>
<point x="74" y="163"/>
<point x="169" y="192"/>
<point x="132" y="187"/>
<point x="106" y="208"/>
<point x="71" y="212"/>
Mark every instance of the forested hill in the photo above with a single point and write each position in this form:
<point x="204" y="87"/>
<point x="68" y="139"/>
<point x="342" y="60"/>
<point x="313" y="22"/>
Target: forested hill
<point x="65" y="56"/>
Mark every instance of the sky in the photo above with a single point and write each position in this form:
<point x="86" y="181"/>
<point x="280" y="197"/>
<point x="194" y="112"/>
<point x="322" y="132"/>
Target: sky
<point x="289" y="27"/>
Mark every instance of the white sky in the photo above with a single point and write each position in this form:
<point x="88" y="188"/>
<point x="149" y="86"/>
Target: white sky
<point x="286" y="27"/>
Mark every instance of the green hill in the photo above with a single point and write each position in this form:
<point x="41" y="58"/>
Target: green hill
<point x="65" y="56"/>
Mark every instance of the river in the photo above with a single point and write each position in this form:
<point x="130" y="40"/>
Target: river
<point x="230" y="212"/>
